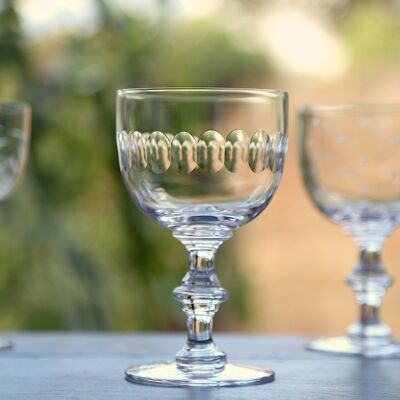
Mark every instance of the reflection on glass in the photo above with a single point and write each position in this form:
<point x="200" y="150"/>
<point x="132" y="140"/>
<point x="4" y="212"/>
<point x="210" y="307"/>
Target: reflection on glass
<point x="201" y="162"/>
<point x="14" y="143"/>
<point x="351" y="169"/>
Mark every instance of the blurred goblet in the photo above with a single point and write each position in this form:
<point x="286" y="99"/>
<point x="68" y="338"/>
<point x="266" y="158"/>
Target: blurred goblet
<point x="351" y="169"/>
<point x="14" y="140"/>
<point x="189" y="167"/>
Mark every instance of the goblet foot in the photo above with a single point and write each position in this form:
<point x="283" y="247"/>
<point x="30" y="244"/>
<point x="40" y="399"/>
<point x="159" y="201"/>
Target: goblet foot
<point x="358" y="347"/>
<point x="6" y="344"/>
<point x="168" y="374"/>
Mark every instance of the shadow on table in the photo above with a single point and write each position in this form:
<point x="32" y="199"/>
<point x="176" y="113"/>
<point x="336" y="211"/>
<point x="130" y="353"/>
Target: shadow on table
<point x="367" y="376"/>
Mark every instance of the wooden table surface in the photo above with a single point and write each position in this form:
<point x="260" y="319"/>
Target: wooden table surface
<point x="91" y="366"/>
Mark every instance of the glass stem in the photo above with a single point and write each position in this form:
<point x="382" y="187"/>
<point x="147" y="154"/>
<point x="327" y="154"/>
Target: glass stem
<point x="369" y="282"/>
<point x="200" y="295"/>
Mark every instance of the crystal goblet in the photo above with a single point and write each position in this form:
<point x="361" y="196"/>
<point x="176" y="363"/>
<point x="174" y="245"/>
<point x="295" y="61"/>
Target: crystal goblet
<point x="14" y="143"/>
<point x="189" y="162"/>
<point x="351" y="169"/>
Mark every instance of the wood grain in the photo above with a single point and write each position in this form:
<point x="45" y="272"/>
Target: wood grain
<point x="91" y="366"/>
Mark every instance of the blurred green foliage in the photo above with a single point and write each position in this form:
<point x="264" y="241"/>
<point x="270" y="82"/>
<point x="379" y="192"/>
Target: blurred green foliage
<point x="371" y="30"/>
<point x="75" y="253"/>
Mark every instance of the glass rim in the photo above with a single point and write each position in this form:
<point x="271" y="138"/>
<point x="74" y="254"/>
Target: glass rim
<point x="267" y="93"/>
<point x="345" y="108"/>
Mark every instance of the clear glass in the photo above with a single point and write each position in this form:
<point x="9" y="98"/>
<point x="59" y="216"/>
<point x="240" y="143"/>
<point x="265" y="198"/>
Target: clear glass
<point x="201" y="162"/>
<point x="351" y="169"/>
<point x="15" y="119"/>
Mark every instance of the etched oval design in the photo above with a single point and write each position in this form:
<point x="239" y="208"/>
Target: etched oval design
<point x="158" y="152"/>
<point x="277" y="152"/>
<point x="211" y="151"/>
<point x="236" y="150"/>
<point x="12" y="154"/>
<point x="137" y="151"/>
<point x="124" y="149"/>
<point x="183" y="152"/>
<point x="259" y="151"/>
<point x="170" y="136"/>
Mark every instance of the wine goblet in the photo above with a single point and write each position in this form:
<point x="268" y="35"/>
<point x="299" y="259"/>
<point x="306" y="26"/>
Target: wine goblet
<point x="15" y="119"/>
<point x="201" y="162"/>
<point x="351" y="169"/>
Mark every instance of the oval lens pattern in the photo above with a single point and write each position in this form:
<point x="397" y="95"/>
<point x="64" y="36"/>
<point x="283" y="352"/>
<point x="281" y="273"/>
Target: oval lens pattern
<point x="210" y="152"/>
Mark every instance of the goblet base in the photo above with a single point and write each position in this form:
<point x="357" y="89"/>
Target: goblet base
<point x="347" y="346"/>
<point x="6" y="344"/>
<point x="168" y="374"/>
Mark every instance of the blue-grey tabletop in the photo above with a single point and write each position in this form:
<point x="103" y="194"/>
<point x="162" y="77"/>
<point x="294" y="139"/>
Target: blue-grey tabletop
<point x="91" y="366"/>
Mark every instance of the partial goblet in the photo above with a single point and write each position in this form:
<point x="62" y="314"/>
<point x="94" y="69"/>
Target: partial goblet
<point x="201" y="162"/>
<point x="351" y="169"/>
<point x="14" y="143"/>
